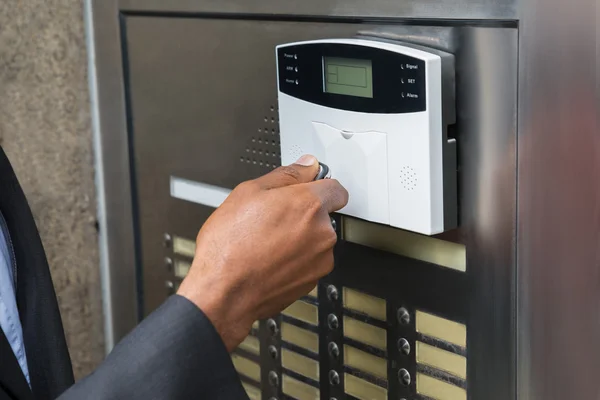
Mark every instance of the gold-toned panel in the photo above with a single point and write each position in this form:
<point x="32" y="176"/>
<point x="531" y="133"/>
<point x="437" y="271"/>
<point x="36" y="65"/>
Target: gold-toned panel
<point x="364" y="303"/>
<point x="409" y="244"/>
<point x="442" y="359"/>
<point x="365" y="333"/>
<point x="299" y="390"/>
<point x="441" y="328"/>
<point x="303" y="311"/>
<point x="365" y="362"/>
<point x="313" y="293"/>
<point x="362" y="389"/>
<point x="300" y="364"/>
<point x="251" y="344"/>
<point x="246" y="367"/>
<point x="252" y="391"/>
<point x="439" y="390"/>
<point x="184" y="247"/>
<point x="300" y="337"/>
<point x="256" y="325"/>
<point x="182" y="268"/>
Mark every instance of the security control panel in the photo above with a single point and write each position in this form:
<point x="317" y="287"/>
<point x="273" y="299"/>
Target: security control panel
<point x="376" y="112"/>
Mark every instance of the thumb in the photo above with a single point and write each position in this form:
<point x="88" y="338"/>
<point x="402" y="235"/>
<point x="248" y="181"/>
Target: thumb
<point x="304" y="170"/>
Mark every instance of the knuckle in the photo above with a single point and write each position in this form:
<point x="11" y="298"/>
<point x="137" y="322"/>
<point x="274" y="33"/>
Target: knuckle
<point x="289" y="172"/>
<point x="247" y="186"/>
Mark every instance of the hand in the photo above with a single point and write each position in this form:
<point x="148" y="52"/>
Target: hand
<point x="264" y="247"/>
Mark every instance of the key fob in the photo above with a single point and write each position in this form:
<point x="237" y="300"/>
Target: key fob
<point x="324" y="172"/>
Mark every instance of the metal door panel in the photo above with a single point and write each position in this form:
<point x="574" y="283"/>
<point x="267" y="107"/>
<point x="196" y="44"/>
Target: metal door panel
<point x="202" y="98"/>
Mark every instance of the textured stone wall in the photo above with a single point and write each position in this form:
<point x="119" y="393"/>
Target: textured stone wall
<point x="45" y="130"/>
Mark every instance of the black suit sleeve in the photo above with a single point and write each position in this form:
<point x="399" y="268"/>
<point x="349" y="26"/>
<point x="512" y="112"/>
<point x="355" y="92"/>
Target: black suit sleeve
<point x="173" y="354"/>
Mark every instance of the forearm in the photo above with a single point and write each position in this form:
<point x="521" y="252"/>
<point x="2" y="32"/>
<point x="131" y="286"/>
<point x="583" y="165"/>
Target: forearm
<point x="174" y="354"/>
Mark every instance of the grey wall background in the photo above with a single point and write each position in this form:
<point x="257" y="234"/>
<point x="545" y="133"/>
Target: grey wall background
<point x="45" y="129"/>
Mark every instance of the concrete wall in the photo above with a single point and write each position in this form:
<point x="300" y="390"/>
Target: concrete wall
<point x="45" y="130"/>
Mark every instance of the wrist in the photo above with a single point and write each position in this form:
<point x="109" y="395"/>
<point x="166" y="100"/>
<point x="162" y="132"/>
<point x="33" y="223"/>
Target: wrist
<point x="227" y="315"/>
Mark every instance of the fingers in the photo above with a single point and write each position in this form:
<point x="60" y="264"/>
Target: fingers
<point x="332" y="194"/>
<point x="302" y="171"/>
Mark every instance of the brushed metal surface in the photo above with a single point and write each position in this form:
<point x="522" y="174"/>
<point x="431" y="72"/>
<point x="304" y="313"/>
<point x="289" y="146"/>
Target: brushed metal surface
<point x="197" y="104"/>
<point x="113" y="179"/>
<point x="447" y="9"/>
<point x="559" y="202"/>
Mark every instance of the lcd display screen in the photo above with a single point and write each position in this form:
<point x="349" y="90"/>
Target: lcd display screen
<point x="347" y="76"/>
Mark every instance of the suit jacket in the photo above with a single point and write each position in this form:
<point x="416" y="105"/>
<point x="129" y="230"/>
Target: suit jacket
<point x="174" y="354"/>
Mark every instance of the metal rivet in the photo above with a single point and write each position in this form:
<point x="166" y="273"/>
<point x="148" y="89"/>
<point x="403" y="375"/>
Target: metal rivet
<point x="168" y="263"/>
<point x="403" y="316"/>
<point x="334" y="350"/>
<point x="404" y="377"/>
<point x="169" y="284"/>
<point x="272" y="326"/>
<point x="273" y="352"/>
<point x="333" y="224"/>
<point x="273" y="378"/>
<point x="404" y="346"/>
<point x="332" y="293"/>
<point x="333" y="322"/>
<point x="334" y="378"/>
<point x="167" y="240"/>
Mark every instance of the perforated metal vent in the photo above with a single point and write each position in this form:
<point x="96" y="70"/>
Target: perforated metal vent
<point x="263" y="149"/>
<point x="408" y="178"/>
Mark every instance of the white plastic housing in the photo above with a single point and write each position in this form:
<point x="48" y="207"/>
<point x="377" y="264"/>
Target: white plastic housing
<point x="391" y="164"/>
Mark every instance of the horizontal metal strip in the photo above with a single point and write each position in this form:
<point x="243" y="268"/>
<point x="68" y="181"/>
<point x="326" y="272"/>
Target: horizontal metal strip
<point x="252" y="391"/>
<point x="366" y="376"/>
<point x="300" y="377"/>
<point x="362" y="389"/>
<point x="441" y="328"/>
<point x="437" y="389"/>
<point x="300" y="323"/>
<point x="423" y="397"/>
<point x="500" y="15"/>
<point x="310" y="300"/>
<point x="303" y="311"/>
<point x="441" y="344"/>
<point x="181" y="268"/>
<point x="364" y="303"/>
<point x="294" y="387"/>
<point x="247" y="354"/>
<point x="365" y="362"/>
<point x="365" y="333"/>
<point x="305" y="366"/>
<point x="249" y="381"/>
<point x="246" y="366"/>
<point x="300" y="337"/>
<point x="365" y="318"/>
<point x="442" y="360"/>
<point x="184" y="247"/>
<point x="408" y="244"/>
<point x="250" y="344"/>
<point x="442" y="375"/>
<point x="300" y="350"/>
<point x="198" y="192"/>
<point x="367" y="348"/>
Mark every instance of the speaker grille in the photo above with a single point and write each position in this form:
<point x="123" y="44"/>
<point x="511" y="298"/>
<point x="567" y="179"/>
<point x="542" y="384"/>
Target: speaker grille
<point x="408" y="178"/>
<point x="263" y="149"/>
